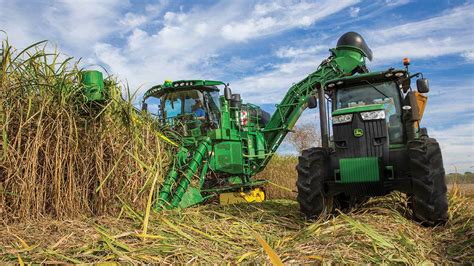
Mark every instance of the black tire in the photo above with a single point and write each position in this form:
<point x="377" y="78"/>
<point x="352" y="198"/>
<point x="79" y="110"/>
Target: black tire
<point x="428" y="199"/>
<point x="312" y="168"/>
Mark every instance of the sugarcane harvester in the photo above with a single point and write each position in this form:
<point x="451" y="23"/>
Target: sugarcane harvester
<point x="372" y="142"/>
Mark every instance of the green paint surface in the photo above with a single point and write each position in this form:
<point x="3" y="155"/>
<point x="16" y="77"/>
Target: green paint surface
<point x="191" y="197"/>
<point x="93" y="82"/>
<point x="358" y="170"/>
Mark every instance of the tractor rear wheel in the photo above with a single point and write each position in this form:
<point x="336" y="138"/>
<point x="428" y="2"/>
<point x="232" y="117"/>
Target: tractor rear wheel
<point x="312" y="168"/>
<point x="428" y="200"/>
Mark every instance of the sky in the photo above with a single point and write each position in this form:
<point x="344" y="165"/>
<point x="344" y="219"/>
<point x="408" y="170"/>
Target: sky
<point x="262" y="47"/>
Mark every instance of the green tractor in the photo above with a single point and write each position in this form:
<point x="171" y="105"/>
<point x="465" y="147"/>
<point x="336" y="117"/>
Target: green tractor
<point x="375" y="144"/>
<point x="372" y="144"/>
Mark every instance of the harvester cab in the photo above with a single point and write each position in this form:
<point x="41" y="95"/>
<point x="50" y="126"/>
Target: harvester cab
<point x="189" y="107"/>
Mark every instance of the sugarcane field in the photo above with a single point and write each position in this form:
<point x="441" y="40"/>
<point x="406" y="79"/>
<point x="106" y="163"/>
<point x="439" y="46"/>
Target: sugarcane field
<point x="237" y="132"/>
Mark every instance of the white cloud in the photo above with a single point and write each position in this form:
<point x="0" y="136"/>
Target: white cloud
<point x="469" y="56"/>
<point x="294" y="52"/>
<point x="396" y="2"/>
<point x="75" y="26"/>
<point x="449" y="117"/>
<point x="457" y="146"/>
<point x="449" y="33"/>
<point x="270" y="87"/>
<point x="185" y="45"/>
<point x="448" y="100"/>
<point x="421" y="48"/>
<point x="80" y="24"/>
<point x="16" y="21"/>
<point x="278" y="16"/>
<point x="157" y="7"/>
<point x="131" y="20"/>
<point x="180" y="46"/>
<point x="354" y="11"/>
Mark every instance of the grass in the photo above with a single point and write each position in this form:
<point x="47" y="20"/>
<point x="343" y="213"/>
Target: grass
<point x="466" y="178"/>
<point x="75" y="187"/>
<point x="379" y="232"/>
<point x="281" y="173"/>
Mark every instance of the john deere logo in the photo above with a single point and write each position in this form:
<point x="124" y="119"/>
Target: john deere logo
<point x="358" y="132"/>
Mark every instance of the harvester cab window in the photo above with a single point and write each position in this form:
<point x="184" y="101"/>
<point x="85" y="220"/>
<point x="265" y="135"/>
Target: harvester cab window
<point x="386" y="93"/>
<point x="172" y="107"/>
<point x="214" y="102"/>
<point x="180" y="103"/>
<point x="153" y="106"/>
<point x="190" y="105"/>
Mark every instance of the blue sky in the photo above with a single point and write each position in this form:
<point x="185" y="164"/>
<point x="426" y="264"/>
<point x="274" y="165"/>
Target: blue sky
<point x="262" y="47"/>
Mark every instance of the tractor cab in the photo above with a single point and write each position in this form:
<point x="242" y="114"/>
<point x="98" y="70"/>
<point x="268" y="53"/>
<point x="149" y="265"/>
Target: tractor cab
<point x="186" y="106"/>
<point x="370" y="97"/>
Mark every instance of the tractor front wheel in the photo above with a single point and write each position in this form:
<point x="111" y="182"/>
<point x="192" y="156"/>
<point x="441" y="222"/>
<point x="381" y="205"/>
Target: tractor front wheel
<point x="428" y="199"/>
<point x="312" y="168"/>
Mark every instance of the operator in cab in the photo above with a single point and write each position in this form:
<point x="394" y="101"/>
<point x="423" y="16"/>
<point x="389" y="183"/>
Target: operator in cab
<point x="198" y="110"/>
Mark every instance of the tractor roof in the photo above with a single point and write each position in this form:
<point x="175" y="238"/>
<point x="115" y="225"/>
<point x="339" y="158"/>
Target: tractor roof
<point x="172" y="86"/>
<point x="372" y="77"/>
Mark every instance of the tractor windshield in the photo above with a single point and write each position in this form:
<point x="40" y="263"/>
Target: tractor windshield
<point x="382" y="93"/>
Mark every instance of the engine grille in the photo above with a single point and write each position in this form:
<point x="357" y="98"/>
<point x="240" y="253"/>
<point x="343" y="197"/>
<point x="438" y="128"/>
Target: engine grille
<point x="373" y="142"/>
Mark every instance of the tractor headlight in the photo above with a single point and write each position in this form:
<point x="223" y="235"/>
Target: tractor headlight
<point x="341" y="119"/>
<point x="373" y="115"/>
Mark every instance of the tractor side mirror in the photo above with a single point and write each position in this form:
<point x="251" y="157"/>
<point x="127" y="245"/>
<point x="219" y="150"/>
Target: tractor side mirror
<point x="144" y="106"/>
<point x="227" y="93"/>
<point x="422" y="85"/>
<point x="312" y="102"/>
